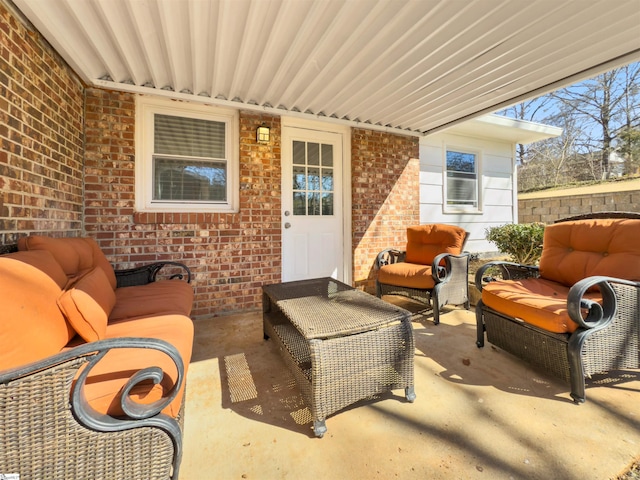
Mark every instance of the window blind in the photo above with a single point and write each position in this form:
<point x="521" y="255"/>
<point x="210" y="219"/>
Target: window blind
<point x="189" y="137"/>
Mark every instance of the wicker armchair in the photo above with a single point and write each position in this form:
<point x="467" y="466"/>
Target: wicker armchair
<point x="431" y="270"/>
<point x="581" y="328"/>
<point x="48" y="431"/>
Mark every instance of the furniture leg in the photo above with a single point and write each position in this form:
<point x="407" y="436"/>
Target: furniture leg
<point x="479" y="325"/>
<point x="319" y="428"/>
<point x="410" y="393"/>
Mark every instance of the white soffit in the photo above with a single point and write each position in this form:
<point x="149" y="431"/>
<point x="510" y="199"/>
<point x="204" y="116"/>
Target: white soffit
<point x="417" y="66"/>
<point x="506" y="129"/>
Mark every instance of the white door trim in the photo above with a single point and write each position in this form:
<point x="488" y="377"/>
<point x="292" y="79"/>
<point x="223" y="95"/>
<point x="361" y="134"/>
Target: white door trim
<point x="345" y="132"/>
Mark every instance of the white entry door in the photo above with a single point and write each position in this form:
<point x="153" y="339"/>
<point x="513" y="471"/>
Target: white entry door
<point x="312" y="222"/>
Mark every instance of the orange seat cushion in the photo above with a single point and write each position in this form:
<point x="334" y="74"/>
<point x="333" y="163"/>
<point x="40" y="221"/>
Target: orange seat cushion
<point x="162" y="297"/>
<point x="88" y="304"/>
<point x="536" y="301"/>
<point x="33" y="327"/>
<point x="111" y="373"/>
<point x="583" y="248"/>
<point x="410" y="275"/>
<point x="425" y="242"/>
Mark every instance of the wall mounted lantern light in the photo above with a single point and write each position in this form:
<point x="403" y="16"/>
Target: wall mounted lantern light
<point x="262" y="134"/>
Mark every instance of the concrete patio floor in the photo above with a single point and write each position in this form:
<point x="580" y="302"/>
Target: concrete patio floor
<point x="479" y="414"/>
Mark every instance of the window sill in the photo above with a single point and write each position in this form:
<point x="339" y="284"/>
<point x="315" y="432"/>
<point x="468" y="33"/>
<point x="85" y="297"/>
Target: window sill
<point x="146" y="218"/>
<point x="461" y="211"/>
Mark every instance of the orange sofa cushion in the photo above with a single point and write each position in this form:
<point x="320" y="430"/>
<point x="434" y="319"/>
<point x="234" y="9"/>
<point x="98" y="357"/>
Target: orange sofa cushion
<point x="157" y="298"/>
<point x="425" y="242"/>
<point x="583" y="248"/>
<point x="88" y="304"/>
<point x="538" y="302"/>
<point x="76" y="255"/>
<point x="409" y="275"/>
<point x="111" y="373"/>
<point x="33" y="327"/>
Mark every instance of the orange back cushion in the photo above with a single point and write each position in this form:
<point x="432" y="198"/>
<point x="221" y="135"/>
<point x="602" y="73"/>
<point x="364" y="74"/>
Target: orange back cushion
<point x="87" y="305"/>
<point x="424" y="242"/>
<point x="582" y="248"/>
<point x="33" y="327"/>
<point x="76" y="255"/>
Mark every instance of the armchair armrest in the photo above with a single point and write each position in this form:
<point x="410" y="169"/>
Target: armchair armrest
<point x="66" y="411"/>
<point x="588" y="313"/>
<point x="454" y="267"/>
<point x="506" y="271"/>
<point x="389" y="256"/>
<point x="148" y="273"/>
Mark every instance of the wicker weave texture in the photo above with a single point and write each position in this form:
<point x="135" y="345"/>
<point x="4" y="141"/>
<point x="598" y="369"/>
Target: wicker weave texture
<point x="40" y="438"/>
<point x="614" y="347"/>
<point x="542" y="349"/>
<point x="621" y="339"/>
<point x="423" y="296"/>
<point x="373" y="352"/>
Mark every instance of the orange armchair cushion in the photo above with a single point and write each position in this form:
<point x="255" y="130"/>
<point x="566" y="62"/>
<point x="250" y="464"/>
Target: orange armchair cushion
<point x="33" y="327"/>
<point x="583" y="248"/>
<point x="111" y="373"/>
<point x="425" y="242"/>
<point x="88" y="304"/>
<point x="538" y="302"/>
<point x="409" y="275"/>
<point x="162" y="297"/>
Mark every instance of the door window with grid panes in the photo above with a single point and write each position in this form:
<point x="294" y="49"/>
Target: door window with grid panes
<point x="313" y="179"/>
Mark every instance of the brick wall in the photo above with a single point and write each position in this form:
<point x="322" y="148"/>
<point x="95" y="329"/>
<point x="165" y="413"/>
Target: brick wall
<point x="230" y="255"/>
<point x="551" y="208"/>
<point x="385" y="184"/>
<point x="67" y="168"/>
<point x="41" y="102"/>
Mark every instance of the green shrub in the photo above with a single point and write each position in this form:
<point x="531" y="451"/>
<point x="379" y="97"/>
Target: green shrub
<point x="521" y="241"/>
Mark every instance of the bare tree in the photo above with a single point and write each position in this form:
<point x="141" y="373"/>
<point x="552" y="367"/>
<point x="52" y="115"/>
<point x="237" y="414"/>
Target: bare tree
<point x="530" y="110"/>
<point x="557" y="151"/>
<point x="601" y="106"/>
<point x="599" y="116"/>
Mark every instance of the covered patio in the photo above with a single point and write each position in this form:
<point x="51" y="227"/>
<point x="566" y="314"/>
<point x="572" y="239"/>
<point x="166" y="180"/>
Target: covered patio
<point x="479" y="413"/>
<point x="380" y="75"/>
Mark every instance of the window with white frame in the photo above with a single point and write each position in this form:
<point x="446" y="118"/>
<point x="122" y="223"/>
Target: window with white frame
<point x="186" y="157"/>
<point x="462" y="180"/>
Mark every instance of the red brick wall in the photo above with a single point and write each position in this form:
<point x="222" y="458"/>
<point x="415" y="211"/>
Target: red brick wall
<point x="50" y="122"/>
<point x="386" y="189"/>
<point x="230" y="255"/>
<point x="41" y="102"/>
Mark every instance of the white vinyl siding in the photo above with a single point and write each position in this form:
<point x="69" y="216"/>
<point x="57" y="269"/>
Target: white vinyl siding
<point x="494" y="171"/>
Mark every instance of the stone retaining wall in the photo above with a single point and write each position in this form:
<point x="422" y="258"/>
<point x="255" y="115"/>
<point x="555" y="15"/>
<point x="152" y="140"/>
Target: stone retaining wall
<point x="563" y="204"/>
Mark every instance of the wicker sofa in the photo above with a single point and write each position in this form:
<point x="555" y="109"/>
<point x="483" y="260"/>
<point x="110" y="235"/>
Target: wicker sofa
<point x="432" y="270"/>
<point x="578" y="313"/>
<point x="92" y="363"/>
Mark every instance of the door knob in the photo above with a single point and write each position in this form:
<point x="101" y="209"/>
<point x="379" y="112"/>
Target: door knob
<point x="287" y="225"/>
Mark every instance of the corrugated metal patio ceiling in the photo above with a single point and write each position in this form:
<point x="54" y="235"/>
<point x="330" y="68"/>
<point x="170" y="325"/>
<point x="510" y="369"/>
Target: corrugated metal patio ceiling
<point x="417" y="66"/>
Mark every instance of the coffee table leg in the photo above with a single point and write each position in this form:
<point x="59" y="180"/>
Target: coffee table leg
<point x="410" y="393"/>
<point x="319" y="428"/>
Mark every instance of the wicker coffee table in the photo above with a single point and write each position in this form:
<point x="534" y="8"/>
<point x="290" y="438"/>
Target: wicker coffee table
<point x="341" y="344"/>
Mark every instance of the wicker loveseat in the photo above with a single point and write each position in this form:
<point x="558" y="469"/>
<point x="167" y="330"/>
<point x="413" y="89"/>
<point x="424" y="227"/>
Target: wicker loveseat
<point x="578" y="313"/>
<point x="92" y="363"/>
<point x="432" y="269"/>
